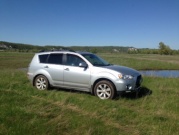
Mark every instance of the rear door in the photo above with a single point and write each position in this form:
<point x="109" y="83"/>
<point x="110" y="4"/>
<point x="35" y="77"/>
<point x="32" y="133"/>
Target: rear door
<point x="54" y="68"/>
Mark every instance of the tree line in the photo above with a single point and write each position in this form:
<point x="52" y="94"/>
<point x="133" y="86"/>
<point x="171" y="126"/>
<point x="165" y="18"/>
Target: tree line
<point x="163" y="49"/>
<point x="19" y="47"/>
<point x="8" y="46"/>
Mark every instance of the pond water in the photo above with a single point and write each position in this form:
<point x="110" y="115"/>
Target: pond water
<point x="161" y="73"/>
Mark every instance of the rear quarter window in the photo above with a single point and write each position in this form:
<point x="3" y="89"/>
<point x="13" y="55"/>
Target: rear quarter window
<point x="43" y="58"/>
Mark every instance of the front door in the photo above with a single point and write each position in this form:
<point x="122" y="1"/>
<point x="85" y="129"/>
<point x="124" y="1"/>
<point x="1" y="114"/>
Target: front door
<point x="74" y="76"/>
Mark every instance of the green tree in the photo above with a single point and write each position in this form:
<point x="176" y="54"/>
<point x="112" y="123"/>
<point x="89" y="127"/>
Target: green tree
<point x="164" y="49"/>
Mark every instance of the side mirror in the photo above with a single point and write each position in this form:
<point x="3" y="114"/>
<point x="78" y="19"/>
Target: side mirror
<point x="83" y="64"/>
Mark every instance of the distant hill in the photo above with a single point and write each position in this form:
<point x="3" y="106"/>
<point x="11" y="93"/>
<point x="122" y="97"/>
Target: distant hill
<point x="35" y="48"/>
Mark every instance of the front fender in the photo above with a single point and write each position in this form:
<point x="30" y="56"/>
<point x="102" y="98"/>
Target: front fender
<point x="103" y="75"/>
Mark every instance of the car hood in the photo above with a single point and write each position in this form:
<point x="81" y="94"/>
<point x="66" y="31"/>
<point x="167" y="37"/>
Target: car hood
<point x="123" y="69"/>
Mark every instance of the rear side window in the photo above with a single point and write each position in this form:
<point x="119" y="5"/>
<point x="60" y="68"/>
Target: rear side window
<point x="55" y="58"/>
<point x="43" y="58"/>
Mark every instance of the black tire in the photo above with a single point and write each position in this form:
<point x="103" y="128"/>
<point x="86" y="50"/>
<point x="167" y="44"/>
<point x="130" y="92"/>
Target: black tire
<point x="41" y="83"/>
<point x="105" y="90"/>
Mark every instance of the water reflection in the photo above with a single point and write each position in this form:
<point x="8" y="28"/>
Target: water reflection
<point x="161" y="73"/>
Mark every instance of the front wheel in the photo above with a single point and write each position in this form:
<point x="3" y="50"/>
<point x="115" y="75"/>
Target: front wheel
<point x="104" y="90"/>
<point x="41" y="82"/>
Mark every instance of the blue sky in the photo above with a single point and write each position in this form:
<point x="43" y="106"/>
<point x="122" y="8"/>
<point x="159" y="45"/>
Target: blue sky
<point x="137" y="23"/>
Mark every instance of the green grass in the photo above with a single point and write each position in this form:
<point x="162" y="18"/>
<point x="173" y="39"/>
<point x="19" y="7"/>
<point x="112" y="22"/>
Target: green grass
<point x="14" y="60"/>
<point x="25" y="110"/>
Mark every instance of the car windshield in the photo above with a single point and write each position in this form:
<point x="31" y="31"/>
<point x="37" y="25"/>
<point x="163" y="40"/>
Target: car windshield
<point x="95" y="60"/>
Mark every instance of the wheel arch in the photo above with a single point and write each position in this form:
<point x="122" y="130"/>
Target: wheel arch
<point x="102" y="79"/>
<point x="33" y="83"/>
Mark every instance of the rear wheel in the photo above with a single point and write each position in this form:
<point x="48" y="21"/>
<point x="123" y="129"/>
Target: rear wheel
<point x="41" y="82"/>
<point x="104" y="90"/>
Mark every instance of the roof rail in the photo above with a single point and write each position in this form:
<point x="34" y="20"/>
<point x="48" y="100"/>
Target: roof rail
<point x="54" y="50"/>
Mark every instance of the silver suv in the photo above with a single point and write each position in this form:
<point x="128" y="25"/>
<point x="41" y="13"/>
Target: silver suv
<point x="82" y="71"/>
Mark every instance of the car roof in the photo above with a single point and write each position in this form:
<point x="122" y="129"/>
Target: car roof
<point x="64" y="51"/>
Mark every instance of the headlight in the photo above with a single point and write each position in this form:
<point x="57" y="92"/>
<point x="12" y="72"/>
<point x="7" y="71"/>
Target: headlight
<point x="129" y="77"/>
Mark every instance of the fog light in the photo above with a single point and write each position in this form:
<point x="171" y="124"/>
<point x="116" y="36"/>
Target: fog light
<point x="129" y="87"/>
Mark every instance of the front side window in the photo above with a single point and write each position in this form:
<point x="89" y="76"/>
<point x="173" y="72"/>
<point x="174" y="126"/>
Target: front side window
<point x="73" y="60"/>
<point x="55" y="58"/>
<point x="95" y="60"/>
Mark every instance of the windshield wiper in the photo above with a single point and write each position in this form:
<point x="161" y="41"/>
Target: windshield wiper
<point x="102" y="65"/>
<point x="108" y="65"/>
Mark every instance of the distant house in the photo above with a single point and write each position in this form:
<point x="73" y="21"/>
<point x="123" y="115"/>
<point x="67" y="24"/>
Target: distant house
<point x="115" y="50"/>
<point x="132" y="49"/>
<point x="3" y="46"/>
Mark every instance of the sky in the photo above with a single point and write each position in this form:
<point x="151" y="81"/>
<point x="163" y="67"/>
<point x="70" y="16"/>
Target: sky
<point x="137" y="23"/>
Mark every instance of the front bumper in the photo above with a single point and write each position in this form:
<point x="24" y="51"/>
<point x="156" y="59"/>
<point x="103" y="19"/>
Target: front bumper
<point x="129" y="85"/>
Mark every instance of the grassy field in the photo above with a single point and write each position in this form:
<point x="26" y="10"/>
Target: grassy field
<point x="143" y="61"/>
<point x="25" y="110"/>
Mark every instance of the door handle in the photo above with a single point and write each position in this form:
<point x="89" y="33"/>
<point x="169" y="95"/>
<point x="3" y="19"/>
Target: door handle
<point x="46" y="67"/>
<point x="67" y="69"/>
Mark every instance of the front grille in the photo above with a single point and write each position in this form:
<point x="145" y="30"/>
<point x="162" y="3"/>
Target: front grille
<point x="139" y="80"/>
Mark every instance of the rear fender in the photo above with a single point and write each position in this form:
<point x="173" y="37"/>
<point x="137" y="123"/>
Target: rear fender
<point x="45" y="73"/>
